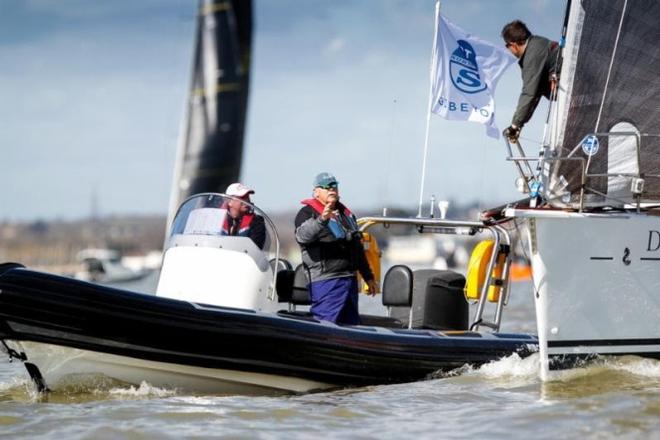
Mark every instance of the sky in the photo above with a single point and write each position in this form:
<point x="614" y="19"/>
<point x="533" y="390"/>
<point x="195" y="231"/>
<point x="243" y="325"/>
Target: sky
<point x="92" y="95"/>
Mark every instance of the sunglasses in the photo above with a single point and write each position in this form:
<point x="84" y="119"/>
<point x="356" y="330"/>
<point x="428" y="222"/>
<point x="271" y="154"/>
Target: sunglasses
<point x="328" y="186"/>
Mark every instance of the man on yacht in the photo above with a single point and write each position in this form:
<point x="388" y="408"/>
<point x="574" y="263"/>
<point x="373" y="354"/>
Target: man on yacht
<point x="537" y="58"/>
<point x="332" y="252"/>
<point x="241" y="219"/>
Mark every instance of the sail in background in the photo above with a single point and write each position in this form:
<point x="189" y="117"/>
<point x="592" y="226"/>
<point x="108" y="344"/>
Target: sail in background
<point x="211" y="141"/>
<point x="610" y="82"/>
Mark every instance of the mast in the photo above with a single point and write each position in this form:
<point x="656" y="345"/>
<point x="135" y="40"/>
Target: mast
<point x="211" y="140"/>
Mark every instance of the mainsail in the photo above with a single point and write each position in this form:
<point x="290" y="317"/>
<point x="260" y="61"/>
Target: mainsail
<point x="609" y="83"/>
<point x="211" y="141"/>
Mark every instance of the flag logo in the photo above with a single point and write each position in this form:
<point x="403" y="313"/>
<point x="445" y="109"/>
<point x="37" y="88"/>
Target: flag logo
<point x="464" y="74"/>
<point x="464" y="70"/>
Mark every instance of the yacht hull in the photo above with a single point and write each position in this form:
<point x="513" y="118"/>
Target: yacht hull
<point x="597" y="284"/>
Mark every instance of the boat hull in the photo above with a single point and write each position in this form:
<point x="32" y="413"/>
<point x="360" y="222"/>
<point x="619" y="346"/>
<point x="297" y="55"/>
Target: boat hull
<point x="241" y="346"/>
<point x="597" y="284"/>
<point x="60" y="364"/>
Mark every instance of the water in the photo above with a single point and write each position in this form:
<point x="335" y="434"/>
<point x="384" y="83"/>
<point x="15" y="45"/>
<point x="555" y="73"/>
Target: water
<point x="614" y="398"/>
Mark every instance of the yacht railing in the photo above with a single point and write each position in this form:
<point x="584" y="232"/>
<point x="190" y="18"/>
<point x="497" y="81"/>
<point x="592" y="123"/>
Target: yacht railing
<point x="502" y="243"/>
<point x="523" y="165"/>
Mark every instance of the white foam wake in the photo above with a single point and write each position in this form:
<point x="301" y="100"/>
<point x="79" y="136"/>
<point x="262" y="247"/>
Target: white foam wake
<point x="511" y="366"/>
<point x="144" y="390"/>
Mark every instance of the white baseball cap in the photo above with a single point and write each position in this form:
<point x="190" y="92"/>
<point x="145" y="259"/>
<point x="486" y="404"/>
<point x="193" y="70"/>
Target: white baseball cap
<point x="238" y="190"/>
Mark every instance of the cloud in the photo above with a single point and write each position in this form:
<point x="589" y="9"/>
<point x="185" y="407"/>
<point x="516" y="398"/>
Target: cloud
<point x="336" y="45"/>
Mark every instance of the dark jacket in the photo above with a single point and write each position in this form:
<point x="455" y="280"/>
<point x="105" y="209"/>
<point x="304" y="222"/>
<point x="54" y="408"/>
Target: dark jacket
<point x="536" y="66"/>
<point x="326" y="256"/>
<point x="255" y="228"/>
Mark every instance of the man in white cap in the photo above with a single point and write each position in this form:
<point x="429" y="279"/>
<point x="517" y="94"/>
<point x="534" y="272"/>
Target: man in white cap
<point x="241" y="219"/>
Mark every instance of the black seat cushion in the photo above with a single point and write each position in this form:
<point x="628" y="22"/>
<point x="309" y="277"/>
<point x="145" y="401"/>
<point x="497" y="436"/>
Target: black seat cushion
<point x="282" y="264"/>
<point x="398" y="286"/>
<point x="300" y="292"/>
<point x="284" y="285"/>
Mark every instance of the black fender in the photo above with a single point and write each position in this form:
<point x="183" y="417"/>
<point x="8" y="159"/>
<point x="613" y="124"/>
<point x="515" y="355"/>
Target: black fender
<point x="4" y="267"/>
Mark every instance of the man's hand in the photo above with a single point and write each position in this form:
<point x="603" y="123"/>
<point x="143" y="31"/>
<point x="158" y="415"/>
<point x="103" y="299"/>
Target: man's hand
<point x="372" y="287"/>
<point x="329" y="211"/>
<point x="512" y="132"/>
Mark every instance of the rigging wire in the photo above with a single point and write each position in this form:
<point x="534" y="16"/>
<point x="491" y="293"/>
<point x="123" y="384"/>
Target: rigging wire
<point x="550" y="135"/>
<point x="607" y="80"/>
<point x="609" y="70"/>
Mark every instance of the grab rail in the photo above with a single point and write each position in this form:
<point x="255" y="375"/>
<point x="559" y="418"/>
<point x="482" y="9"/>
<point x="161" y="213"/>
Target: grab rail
<point x="443" y="226"/>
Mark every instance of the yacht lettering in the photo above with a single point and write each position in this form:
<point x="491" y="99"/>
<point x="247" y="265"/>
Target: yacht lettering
<point x="626" y="254"/>
<point x="654" y="241"/>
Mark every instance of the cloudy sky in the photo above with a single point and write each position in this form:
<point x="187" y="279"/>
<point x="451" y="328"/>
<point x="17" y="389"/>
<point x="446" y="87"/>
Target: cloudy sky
<point x="92" y="95"/>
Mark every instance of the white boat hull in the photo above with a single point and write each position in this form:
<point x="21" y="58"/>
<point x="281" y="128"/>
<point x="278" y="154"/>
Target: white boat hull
<point x="58" y="363"/>
<point x="597" y="283"/>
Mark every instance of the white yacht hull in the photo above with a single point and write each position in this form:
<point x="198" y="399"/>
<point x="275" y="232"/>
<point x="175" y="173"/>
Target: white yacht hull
<point x="596" y="283"/>
<point x="59" y="363"/>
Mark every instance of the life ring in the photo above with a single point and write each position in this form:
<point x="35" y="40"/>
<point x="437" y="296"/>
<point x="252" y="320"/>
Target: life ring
<point x="477" y="268"/>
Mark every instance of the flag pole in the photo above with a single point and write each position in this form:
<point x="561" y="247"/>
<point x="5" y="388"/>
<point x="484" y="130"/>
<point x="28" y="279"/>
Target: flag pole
<point x="428" y="113"/>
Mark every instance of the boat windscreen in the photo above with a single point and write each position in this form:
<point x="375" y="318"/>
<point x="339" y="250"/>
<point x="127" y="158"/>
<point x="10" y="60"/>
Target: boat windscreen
<point x="224" y="216"/>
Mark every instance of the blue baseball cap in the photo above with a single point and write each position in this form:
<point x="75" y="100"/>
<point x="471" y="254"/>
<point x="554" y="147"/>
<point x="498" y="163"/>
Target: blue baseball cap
<point x="325" y="180"/>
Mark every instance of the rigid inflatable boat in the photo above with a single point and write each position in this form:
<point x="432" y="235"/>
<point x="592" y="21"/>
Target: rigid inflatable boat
<point x="224" y="319"/>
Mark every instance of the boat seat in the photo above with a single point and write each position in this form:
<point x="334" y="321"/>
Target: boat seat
<point x="284" y="285"/>
<point x="282" y="264"/>
<point x="398" y="287"/>
<point x="292" y="286"/>
<point x="398" y="291"/>
<point x="300" y="293"/>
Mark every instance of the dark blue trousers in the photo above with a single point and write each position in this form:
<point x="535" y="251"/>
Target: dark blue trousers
<point x="335" y="300"/>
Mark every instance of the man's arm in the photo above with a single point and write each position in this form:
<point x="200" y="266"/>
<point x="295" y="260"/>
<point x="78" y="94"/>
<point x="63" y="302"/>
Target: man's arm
<point x="258" y="231"/>
<point x="308" y="227"/>
<point x="533" y="73"/>
<point x="363" y="264"/>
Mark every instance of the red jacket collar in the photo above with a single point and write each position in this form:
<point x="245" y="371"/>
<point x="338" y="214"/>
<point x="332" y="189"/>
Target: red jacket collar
<point x="318" y="206"/>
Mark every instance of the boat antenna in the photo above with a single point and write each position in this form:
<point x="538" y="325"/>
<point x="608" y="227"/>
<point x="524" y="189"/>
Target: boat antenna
<point x="428" y="113"/>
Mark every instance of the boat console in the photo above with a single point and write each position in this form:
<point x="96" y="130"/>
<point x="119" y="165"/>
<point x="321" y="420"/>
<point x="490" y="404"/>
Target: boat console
<point x="209" y="258"/>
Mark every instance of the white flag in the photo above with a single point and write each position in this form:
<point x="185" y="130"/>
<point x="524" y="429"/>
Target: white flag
<point x="464" y="73"/>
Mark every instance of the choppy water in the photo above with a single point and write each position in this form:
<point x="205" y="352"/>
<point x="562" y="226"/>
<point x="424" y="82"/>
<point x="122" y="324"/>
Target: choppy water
<point x="614" y="398"/>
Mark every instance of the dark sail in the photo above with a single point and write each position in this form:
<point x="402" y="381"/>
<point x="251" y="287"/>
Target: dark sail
<point x="211" y="140"/>
<point x="610" y="82"/>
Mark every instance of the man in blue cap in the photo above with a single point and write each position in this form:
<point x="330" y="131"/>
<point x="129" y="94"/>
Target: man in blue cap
<point x="332" y="252"/>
